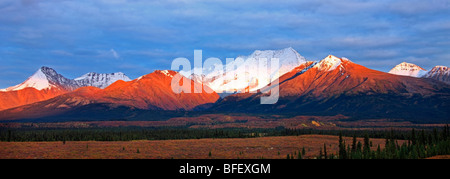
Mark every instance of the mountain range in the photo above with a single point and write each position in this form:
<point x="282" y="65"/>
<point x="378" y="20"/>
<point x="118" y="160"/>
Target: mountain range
<point x="339" y="86"/>
<point x="149" y="92"/>
<point x="440" y="73"/>
<point x="330" y="86"/>
<point x="46" y="83"/>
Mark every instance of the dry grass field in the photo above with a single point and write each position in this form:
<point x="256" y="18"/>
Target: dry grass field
<point x="248" y="148"/>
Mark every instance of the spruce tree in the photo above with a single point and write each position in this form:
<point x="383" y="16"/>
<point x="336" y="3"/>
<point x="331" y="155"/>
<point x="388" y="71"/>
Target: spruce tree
<point x="345" y="156"/>
<point x="413" y="137"/>
<point x="359" y="147"/>
<point x="422" y="139"/>
<point x="366" y="149"/>
<point x="341" y="147"/>
<point x="348" y="152"/>
<point x="354" y="144"/>
<point x="435" y="136"/>
<point x="378" y="156"/>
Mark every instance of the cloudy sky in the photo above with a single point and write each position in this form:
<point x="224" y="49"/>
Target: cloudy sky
<point x="137" y="37"/>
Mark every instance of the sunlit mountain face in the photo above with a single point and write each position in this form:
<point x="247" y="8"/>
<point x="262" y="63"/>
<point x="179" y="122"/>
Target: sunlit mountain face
<point x="331" y="86"/>
<point x="339" y="86"/>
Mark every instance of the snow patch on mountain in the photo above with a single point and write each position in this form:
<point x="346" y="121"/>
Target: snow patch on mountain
<point x="308" y="67"/>
<point x="166" y="72"/>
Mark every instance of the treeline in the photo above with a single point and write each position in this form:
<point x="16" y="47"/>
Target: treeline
<point x="116" y="134"/>
<point x="164" y="133"/>
<point x="418" y="145"/>
<point x="135" y="133"/>
<point x="139" y="133"/>
<point x="397" y="134"/>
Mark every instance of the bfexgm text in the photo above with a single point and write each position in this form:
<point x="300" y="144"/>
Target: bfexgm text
<point x="227" y="169"/>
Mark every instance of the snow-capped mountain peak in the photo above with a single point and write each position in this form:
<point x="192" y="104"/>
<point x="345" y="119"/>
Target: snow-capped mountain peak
<point x="439" y="69"/>
<point x="100" y="80"/>
<point x="38" y="80"/>
<point x="245" y="76"/>
<point x="289" y="58"/>
<point x="47" y="78"/>
<point x="44" y="78"/>
<point x="330" y="63"/>
<point x="441" y="73"/>
<point x="408" y="69"/>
